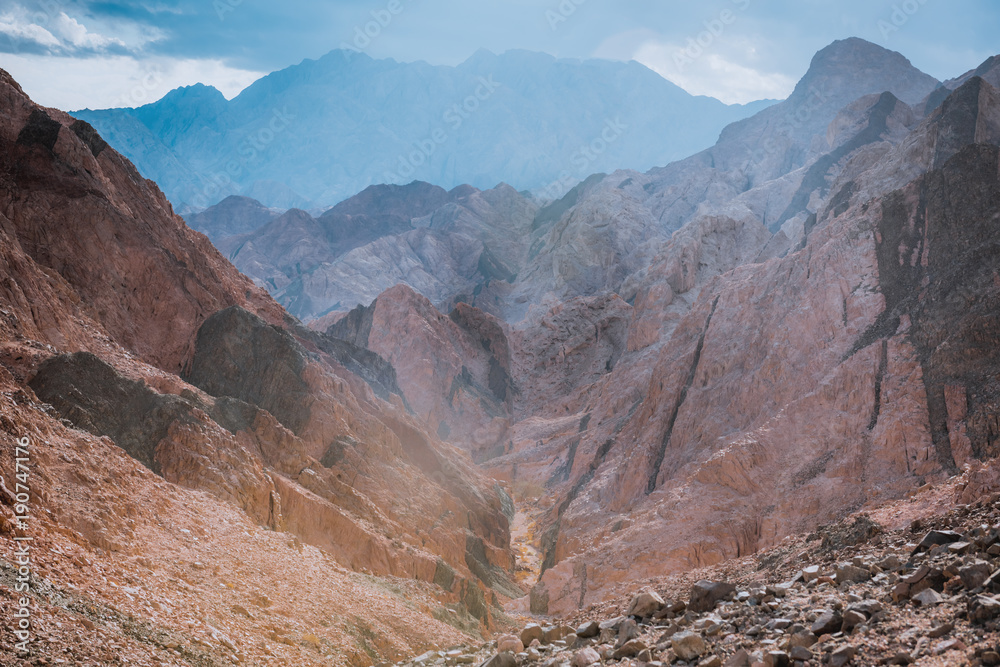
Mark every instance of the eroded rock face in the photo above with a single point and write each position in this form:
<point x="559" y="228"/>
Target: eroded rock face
<point x="864" y="356"/>
<point x="108" y="296"/>
<point x="455" y="372"/>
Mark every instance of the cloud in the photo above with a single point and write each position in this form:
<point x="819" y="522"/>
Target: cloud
<point x="117" y="80"/>
<point x="56" y="34"/>
<point x="701" y="71"/>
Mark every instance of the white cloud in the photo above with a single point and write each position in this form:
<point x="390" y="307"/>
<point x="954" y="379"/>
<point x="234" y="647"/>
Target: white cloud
<point x="727" y="77"/>
<point x="73" y="33"/>
<point x="19" y="29"/>
<point x="117" y="81"/>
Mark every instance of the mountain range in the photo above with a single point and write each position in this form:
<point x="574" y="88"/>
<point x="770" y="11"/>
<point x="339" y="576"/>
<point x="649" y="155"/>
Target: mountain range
<point x="661" y="342"/>
<point x="313" y="134"/>
<point x="772" y="361"/>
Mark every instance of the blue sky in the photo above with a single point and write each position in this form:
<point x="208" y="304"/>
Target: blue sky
<point x="89" y="53"/>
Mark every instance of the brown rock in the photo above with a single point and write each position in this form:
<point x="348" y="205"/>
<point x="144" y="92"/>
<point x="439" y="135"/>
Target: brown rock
<point x="585" y="657"/>
<point x="706" y="594"/>
<point x="688" y="645"/>
<point x="842" y="656"/>
<point x="975" y="574"/>
<point x="532" y="632"/>
<point x="828" y="623"/>
<point x="982" y="608"/>
<point x="777" y="659"/>
<point x="645" y="604"/>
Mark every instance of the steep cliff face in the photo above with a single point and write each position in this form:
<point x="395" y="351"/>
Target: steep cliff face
<point x="797" y="389"/>
<point x="134" y="329"/>
<point x="455" y="371"/>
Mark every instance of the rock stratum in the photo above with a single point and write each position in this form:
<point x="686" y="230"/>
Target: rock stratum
<point x="188" y="435"/>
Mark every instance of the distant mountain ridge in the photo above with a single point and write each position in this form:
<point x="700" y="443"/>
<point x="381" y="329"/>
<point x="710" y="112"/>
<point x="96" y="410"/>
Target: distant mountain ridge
<point x="316" y="133"/>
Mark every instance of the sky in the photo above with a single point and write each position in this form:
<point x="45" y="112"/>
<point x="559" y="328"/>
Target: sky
<point x="75" y="54"/>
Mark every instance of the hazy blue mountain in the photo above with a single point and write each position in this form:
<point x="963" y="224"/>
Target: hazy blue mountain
<point x="316" y="133"/>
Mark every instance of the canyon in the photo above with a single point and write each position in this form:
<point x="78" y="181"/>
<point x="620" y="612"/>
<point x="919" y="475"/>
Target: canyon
<point x="654" y="373"/>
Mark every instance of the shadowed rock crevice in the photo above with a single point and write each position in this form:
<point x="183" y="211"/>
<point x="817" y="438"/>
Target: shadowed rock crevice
<point x="681" y="397"/>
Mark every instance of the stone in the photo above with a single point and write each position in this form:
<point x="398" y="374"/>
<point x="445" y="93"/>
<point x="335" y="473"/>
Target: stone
<point x="645" y="655"/>
<point x="810" y="573"/>
<point x="975" y="574"/>
<point x="852" y="619"/>
<point x="990" y="658"/>
<point x="739" y="659"/>
<point x="982" y="608"/>
<point x="645" y="604"/>
<point x="688" y="645"/>
<point x="851" y="574"/>
<point x="801" y="654"/>
<point x="509" y="644"/>
<point x="827" y="623"/>
<point x="777" y="659"/>
<point x="711" y="661"/>
<point x="706" y="594"/>
<point x="842" y="656"/>
<point x="585" y="657"/>
<point x="532" y="632"/>
<point x="588" y="630"/>
<point x="928" y="598"/>
<point x="937" y="538"/>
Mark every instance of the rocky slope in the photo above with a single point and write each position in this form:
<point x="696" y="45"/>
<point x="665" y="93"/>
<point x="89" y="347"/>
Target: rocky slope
<point x="857" y="357"/>
<point x="323" y="130"/>
<point x="127" y="338"/>
<point x="685" y="399"/>
<point x="449" y="246"/>
<point x="859" y="592"/>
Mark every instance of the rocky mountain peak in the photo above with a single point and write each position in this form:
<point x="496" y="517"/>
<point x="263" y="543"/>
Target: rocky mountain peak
<point x="848" y="66"/>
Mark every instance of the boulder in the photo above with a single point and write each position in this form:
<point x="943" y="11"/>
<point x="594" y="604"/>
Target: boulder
<point x="706" y="594"/>
<point x="688" y="645"/>
<point x="645" y="604"/>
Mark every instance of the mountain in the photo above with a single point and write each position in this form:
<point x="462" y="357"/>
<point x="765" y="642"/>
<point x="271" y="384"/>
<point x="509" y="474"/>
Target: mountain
<point x="314" y="134"/>
<point x="796" y="324"/>
<point x="178" y="416"/>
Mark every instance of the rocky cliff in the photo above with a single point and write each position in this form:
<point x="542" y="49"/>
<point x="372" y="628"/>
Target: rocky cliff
<point x="124" y="332"/>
